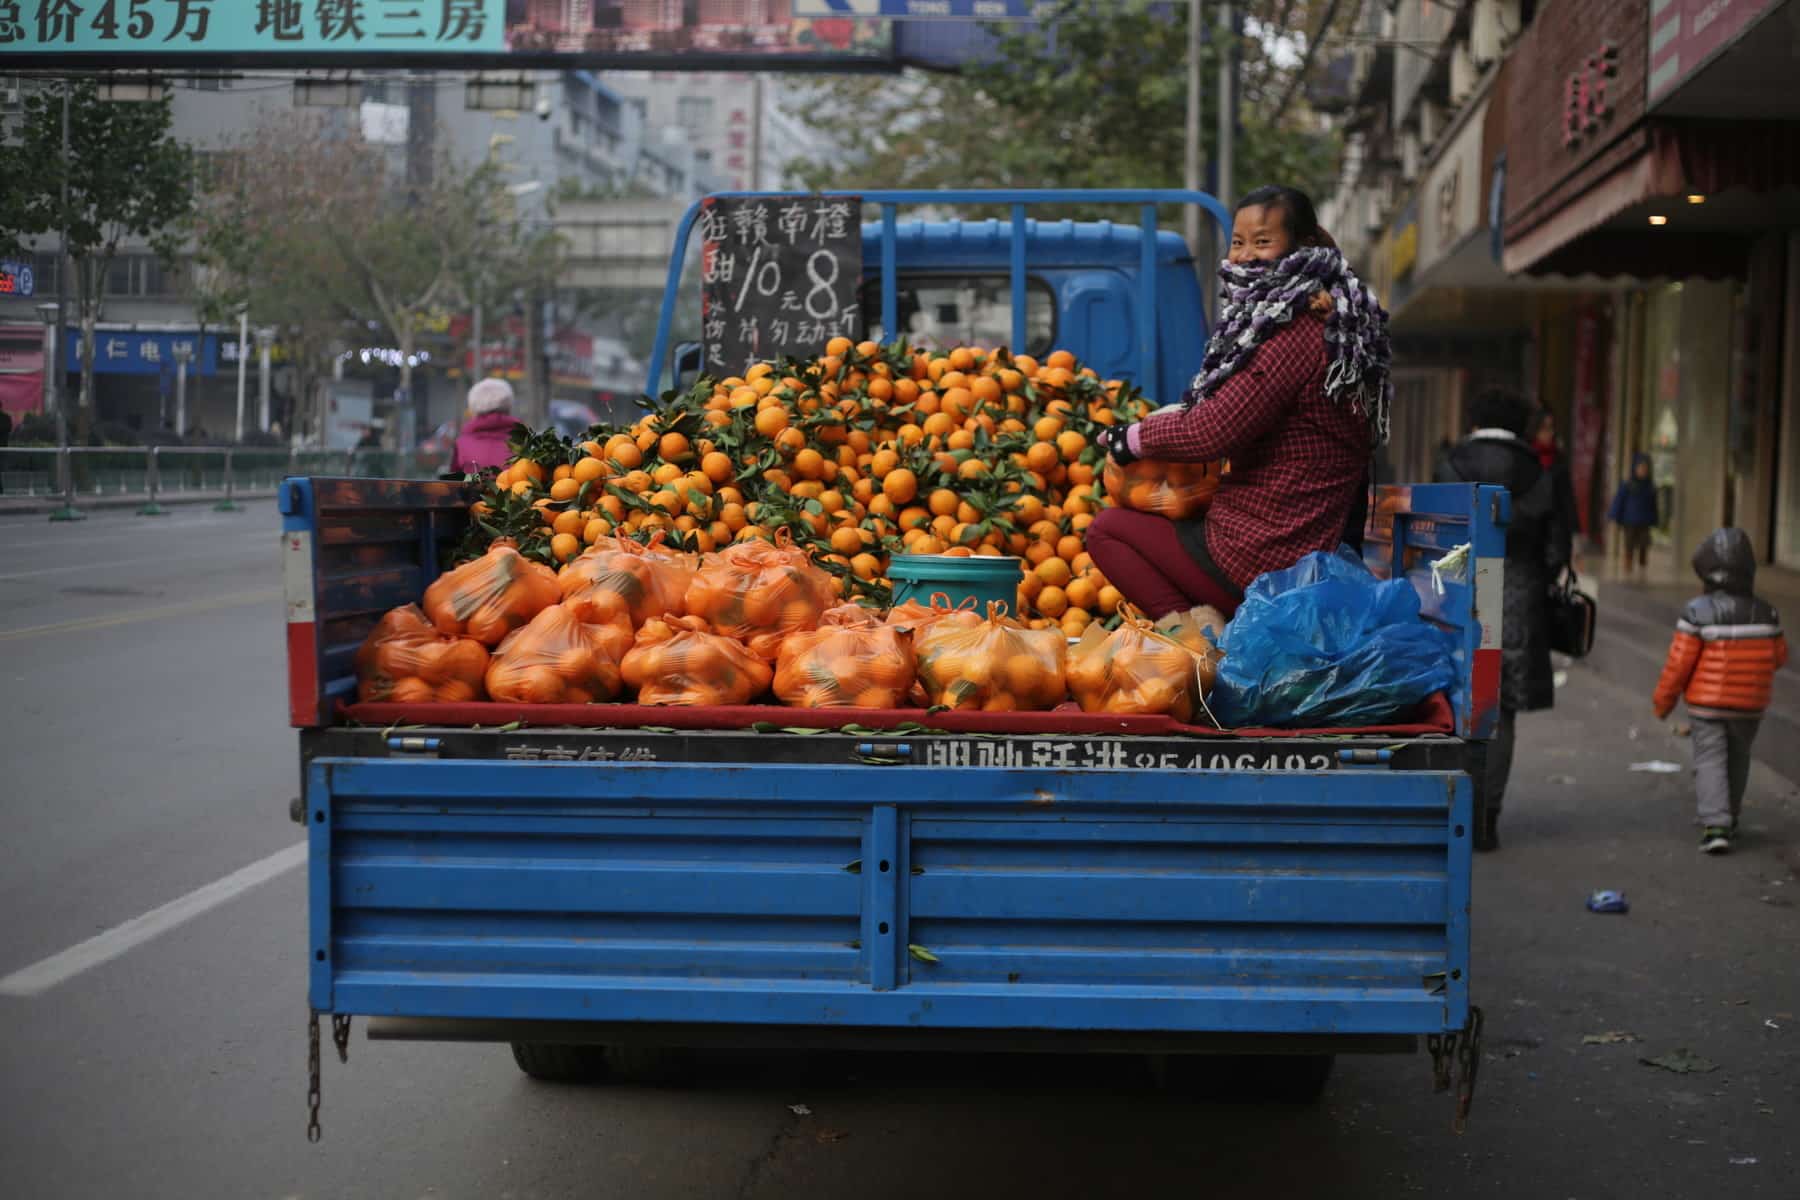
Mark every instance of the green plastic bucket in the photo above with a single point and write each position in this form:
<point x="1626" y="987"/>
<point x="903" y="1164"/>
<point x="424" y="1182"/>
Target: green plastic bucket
<point x="969" y="582"/>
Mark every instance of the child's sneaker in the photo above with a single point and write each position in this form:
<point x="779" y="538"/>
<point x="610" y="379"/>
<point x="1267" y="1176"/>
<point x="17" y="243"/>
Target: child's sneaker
<point x="1715" y="839"/>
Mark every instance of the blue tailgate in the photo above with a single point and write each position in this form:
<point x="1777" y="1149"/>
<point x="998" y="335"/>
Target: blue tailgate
<point x="1328" y="902"/>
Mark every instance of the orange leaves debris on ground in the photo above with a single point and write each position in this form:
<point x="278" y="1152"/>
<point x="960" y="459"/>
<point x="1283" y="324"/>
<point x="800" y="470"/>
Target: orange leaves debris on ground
<point x="678" y="660"/>
<point x="991" y="664"/>
<point x="760" y="592"/>
<point x="1140" y="668"/>
<point x="559" y="659"/>
<point x="619" y="579"/>
<point x="488" y="598"/>
<point x="852" y="660"/>
<point x="405" y="659"/>
<point x="1175" y="490"/>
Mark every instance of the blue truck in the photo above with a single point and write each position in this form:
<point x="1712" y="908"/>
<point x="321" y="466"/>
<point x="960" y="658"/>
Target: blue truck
<point x="608" y="899"/>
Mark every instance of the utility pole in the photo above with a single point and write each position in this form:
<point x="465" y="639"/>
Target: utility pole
<point x="183" y="355"/>
<point x="67" y="510"/>
<point x="265" y="341"/>
<point x="475" y="367"/>
<point x="1194" y="168"/>
<point x="756" y="131"/>
<point x="243" y="357"/>
<point x="1227" y="145"/>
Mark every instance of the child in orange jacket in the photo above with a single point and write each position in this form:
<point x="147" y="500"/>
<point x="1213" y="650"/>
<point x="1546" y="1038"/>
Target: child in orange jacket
<point x="1728" y="646"/>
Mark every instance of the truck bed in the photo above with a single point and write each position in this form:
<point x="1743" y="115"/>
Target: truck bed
<point x="1099" y="885"/>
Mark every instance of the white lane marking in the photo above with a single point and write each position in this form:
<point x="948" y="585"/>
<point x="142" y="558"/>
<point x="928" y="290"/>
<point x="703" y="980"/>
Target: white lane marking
<point x="143" y="531"/>
<point x="205" y="604"/>
<point x="215" y="550"/>
<point x="40" y="977"/>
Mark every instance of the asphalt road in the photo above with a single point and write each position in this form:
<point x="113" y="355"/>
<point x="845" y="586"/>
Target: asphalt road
<point x="146" y="756"/>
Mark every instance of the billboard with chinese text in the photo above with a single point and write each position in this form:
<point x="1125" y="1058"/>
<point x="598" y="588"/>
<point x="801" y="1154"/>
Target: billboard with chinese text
<point x="491" y="34"/>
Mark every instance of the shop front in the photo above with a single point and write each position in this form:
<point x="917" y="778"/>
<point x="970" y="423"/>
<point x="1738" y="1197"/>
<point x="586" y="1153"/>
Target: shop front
<point x="1636" y="156"/>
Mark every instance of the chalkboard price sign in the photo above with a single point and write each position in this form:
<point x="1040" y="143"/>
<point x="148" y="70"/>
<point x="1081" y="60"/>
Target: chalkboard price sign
<point x="780" y="275"/>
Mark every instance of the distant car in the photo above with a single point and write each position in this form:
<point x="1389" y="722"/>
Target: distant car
<point x="572" y="418"/>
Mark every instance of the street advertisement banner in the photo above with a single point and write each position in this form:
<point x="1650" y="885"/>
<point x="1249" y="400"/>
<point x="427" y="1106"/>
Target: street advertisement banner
<point x="610" y="34"/>
<point x="925" y="10"/>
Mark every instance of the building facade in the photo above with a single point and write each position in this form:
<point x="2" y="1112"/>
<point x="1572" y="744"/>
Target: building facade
<point x="1597" y="204"/>
<point x="568" y="133"/>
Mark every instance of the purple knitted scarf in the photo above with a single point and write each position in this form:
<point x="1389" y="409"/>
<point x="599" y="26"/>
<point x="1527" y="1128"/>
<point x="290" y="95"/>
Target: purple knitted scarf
<point x="1258" y="298"/>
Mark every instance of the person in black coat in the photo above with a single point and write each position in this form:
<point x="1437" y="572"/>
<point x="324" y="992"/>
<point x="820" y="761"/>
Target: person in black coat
<point x="1539" y="542"/>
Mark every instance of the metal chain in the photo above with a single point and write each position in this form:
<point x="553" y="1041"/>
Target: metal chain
<point x="340" y="1036"/>
<point x="1468" y="1061"/>
<point x="313" y="1132"/>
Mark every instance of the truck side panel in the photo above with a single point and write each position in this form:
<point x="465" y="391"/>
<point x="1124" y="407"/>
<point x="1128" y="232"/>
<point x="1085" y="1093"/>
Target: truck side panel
<point x="1180" y="901"/>
<point x="352" y="549"/>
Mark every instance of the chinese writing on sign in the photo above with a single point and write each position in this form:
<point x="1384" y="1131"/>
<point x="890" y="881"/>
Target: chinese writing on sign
<point x="249" y="25"/>
<point x="779" y="276"/>
<point x="1585" y="98"/>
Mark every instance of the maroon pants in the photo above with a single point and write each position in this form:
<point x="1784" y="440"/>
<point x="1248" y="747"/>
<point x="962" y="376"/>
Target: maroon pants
<point x="1142" y="556"/>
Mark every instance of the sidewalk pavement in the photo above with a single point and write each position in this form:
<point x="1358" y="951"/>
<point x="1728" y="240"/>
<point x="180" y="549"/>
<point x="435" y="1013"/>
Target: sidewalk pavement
<point x="1637" y="621"/>
<point x="29" y="505"/>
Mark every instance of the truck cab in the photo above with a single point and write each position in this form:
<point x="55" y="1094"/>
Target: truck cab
<point x="1124" y="299"/>
<point x="1080" y="287"/>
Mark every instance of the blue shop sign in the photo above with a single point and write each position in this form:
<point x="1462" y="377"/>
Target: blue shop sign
<point x="17" y="279"/>
<point x="122" y="353"/>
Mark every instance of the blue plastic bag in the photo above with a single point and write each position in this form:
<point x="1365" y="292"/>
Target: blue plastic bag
<point x="1326" y="644"/>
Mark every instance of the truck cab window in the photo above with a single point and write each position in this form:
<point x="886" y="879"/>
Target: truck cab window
<point x="945" y="311"/>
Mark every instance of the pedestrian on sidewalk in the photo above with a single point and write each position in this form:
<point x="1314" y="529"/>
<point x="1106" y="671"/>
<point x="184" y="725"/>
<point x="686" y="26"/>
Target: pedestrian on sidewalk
<point x="482" y="441"/>
<point x="1538" y="547"/>
<point x="1634" y="512"/>
<point x="1728" y="645"/>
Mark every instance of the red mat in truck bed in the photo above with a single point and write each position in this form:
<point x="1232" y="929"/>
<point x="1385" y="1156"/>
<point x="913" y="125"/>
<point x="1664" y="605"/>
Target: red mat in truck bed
<point x="1432" y="717"/>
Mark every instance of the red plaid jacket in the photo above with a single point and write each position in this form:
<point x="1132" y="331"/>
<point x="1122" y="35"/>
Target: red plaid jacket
<point x="1297" y="457"/>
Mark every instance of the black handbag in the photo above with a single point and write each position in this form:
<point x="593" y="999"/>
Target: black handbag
<point x="1573" y="617"/>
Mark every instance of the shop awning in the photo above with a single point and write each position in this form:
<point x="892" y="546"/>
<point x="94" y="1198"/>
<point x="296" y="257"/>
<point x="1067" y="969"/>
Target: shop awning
<point x="1605" y="231"/>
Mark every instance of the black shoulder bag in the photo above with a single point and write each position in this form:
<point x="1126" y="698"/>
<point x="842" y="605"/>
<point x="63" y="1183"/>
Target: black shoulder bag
<point x="1573" y="617"/>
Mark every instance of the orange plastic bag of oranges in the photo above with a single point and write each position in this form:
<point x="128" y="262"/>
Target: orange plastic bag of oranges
<point x="910" y="614"/>
<point x="760" y="593"/>
<point x="488" y="598"/>
<point x="852" y="660"/>
<point x="992" y="664"/>
<point x="619" y="579"/>
<point x="678" y="660"/>
<point x="1176" y="490"/>
<point x="407" y="661"/>
<point x="559" y="659"/>
<point x="1141" y="668"/>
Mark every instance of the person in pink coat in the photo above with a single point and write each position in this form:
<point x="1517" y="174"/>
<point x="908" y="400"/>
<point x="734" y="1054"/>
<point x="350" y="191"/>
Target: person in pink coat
<point x="482" y="442"/>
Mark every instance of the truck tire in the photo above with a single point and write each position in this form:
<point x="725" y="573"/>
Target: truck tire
<point x="558" y="1062"/>
<point x="1246" y="1078"/>
<point x="554" y="1062"/>
<point x="653" y="1066"/>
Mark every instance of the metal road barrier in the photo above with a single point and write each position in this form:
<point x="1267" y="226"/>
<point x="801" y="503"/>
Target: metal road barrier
<point x="158" y="473"/>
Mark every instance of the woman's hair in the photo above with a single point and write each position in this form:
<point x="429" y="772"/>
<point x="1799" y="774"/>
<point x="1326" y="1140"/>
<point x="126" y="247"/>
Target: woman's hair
<point x="491" y="395"/>
<point x="1497" y="408"/>
<point x="1296" y="207"/>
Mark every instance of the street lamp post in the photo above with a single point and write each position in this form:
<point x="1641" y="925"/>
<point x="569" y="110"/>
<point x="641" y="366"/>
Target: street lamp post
<point x="243" y="355"/>
<point x="47" y="313"/>
<point x="184" y="354"/>
<point x="265" y="341"/>
<point x="67" y="510"/>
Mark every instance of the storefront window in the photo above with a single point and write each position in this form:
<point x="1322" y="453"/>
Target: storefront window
<point x="1659" y="435"/>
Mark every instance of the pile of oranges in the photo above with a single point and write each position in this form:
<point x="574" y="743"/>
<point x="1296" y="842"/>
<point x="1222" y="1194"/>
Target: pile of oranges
<point x="865" y="452"/>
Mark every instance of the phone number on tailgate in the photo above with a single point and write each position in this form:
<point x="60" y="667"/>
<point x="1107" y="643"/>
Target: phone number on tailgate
<point x="1112" y="755"/>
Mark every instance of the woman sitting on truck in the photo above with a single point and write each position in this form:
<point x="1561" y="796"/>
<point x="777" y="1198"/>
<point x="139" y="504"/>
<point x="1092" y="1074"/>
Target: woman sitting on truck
<point x="1293" y="391"/>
